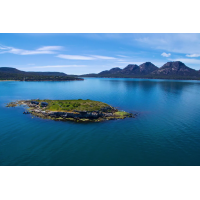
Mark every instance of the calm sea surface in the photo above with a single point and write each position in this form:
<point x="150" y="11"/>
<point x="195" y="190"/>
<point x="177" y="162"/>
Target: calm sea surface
<point x="166" y="131"/>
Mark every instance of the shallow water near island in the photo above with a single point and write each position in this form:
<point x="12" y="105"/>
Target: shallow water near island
<point x="166" y="131"/>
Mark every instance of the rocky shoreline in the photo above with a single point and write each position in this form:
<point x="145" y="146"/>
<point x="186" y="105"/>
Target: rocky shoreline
<point x="105" y="113"/>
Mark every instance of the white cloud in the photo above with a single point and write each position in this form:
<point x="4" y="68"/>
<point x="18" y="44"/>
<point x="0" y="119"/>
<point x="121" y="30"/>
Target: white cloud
<point x="80" y="57"/>
<point x="193" y="55"/>
<point x="103" y="57"/>
<point x="1" y="47"/>
<point x="75" y="57"/>
<point x="166" y="54"/>
<point x="42" y="50"/>
<point x="50" y="48"/>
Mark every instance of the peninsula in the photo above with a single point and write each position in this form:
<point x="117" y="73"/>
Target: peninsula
<point x="71" y="110"/>
<point x="12" y="74"/>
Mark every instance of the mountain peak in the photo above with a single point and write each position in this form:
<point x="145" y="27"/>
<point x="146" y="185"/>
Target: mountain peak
<point x="131" y="69"/>
<point x="131" y="66"/>
<point x="115" y="69"/>
<point x="147" y="68"/>
<point x="174" y="64"/>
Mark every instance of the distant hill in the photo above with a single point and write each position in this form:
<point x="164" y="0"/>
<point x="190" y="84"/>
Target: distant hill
<point x="9" y="73"/>
<point x="170" y="70"/>
<point x="10" y="70"/>
<point x="14" y="70"/>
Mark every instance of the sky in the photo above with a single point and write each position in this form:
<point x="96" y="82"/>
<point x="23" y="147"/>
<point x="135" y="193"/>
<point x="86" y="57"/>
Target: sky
<point x="92" y="53"/>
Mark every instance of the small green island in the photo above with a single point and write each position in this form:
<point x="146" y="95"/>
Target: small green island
<point x="71" y="110"/>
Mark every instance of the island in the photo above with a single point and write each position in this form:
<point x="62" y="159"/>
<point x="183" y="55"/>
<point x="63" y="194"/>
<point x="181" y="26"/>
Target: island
<point x="71" y="110"/>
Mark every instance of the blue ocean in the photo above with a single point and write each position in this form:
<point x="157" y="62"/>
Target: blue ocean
<point x="166" y="131"/>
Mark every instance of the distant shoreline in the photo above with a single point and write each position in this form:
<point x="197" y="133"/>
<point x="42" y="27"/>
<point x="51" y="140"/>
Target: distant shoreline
<point x="145" y="78"/>
<point x="8" y="80"/>
<point x="44" y="80"/>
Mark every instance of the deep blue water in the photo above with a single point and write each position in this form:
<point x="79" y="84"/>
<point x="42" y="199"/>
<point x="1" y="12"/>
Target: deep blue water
<point x="166" y="131"/>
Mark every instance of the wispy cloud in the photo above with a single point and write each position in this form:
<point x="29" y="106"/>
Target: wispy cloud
<point x="50" y="48"/>
<point x="80" y="57"/>
<point x="166" y="54"/>
<point x="75" y="57"/>
<point x="193" y="55"/>
<point x="41" y="50"/>
<point x="177" y="43"/>
<point x="103" y="57"/>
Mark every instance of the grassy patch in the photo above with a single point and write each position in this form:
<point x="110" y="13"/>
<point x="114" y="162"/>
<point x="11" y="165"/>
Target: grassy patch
<point x="70" y="105"/>
<point x="121" y="114"/>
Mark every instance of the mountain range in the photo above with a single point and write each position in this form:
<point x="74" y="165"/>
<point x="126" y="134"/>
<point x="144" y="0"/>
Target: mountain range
<point x="170" y="70"/>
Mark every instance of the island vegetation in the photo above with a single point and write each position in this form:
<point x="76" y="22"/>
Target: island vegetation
<point x="71" y="110"/>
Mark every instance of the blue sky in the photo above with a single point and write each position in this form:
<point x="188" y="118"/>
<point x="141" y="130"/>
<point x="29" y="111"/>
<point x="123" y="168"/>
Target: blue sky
<point x="92" y="53"/>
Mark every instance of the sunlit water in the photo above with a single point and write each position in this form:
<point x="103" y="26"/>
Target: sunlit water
<point x="166" y="131"/>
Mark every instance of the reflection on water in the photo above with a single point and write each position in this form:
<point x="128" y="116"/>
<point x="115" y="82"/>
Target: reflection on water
<point x="166" y="132"/>
<point x="148" y="85"/>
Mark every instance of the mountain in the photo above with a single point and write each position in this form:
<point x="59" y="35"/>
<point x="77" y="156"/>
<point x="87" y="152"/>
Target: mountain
<point x="131" y="69"/>
<point x="175" y="68"/>
<point x="170" y="70"/>
<point x="147" y="68"/>
<point x="9" y="73"/>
